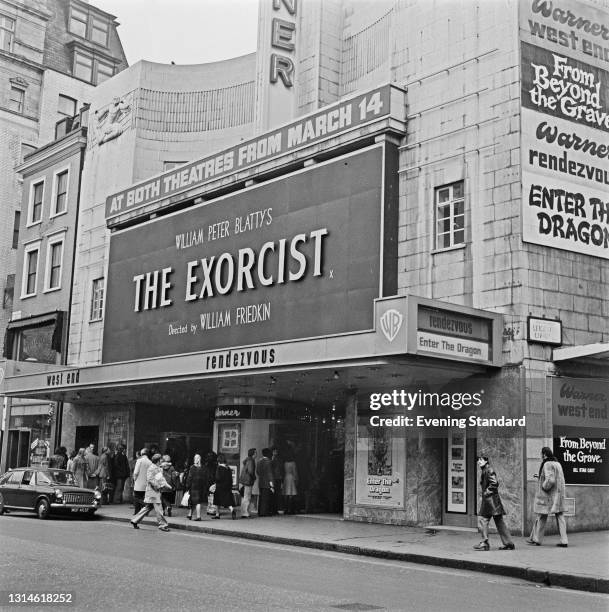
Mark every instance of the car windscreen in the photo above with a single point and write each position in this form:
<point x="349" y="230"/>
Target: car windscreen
<point x="60" y="477"/>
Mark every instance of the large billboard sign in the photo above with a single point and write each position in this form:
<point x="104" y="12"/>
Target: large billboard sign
<point x="565" y="127"/>
<point x="580" y="419"/>
<point x="296" y="257"/>
<point x="326" y="123"/>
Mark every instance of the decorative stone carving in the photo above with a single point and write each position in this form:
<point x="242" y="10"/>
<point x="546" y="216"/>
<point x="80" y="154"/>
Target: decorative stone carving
<point x="112" y="121"/>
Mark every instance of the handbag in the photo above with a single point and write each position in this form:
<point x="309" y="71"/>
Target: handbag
<point x="242" y="491"/>
<point x="185" y="500"/>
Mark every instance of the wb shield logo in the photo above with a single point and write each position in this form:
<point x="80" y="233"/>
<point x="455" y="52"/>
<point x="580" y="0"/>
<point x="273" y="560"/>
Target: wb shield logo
<point x="391" y="322"/>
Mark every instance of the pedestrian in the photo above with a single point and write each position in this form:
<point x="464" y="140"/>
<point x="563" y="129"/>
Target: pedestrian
<point x="80" y="468"/>
<point x="277" y="468"/>
<point x="168" y="497"/>
<point x="491" y="507"/>
<point x="70" y="463"/>
<point x="155" y="483"/>
<point x="57" y="460"/>
<point x="92" y="465"/>
<point x="120" y="472"/>
<point x="139" y="480"/>
<point x="265" y="483"/>
<point x="246" y="480"/>
<point x="209" y="467"/>
<point x="197" y="485"/>
<point x="549" y="499"/>
<point x="104" y="474"/>
<point x="290" y="482"/>
<point x="223" y="488"/>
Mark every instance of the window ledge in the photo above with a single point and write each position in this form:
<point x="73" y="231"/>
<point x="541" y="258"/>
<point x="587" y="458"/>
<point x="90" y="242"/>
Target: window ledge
<point x="456" y="247"/>
<point x="51" y="289"/>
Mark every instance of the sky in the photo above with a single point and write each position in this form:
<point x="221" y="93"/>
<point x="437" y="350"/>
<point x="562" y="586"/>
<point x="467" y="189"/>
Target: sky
<point x="184" y="31"/>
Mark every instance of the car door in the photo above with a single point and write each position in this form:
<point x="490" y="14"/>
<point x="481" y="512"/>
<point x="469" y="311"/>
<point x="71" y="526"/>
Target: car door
<point x="27" y="489"/>
<point x="10" y="488"/>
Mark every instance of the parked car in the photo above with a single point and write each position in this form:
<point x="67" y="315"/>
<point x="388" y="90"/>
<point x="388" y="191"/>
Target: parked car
<point x="46" y="491"/>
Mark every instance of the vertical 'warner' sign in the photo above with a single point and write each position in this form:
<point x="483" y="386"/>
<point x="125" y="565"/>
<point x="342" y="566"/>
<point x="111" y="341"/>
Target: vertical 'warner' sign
<point x="282" y="39"/>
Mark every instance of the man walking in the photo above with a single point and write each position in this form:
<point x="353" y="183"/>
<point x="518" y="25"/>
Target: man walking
<point x="549" y="499"/>
<point x="491" y="507"/>
<point x="139" y="480"/>
<point x="155" y="484"/>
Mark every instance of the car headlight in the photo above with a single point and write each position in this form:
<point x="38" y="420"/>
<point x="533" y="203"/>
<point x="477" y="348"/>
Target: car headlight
<point x="97" y="495"/>
<point x="58" y="493"/>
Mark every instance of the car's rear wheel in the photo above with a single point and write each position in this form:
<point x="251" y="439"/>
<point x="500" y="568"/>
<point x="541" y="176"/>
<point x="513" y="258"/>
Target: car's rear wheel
<point x="43" y="509"/>
<point x="1" y="503"/>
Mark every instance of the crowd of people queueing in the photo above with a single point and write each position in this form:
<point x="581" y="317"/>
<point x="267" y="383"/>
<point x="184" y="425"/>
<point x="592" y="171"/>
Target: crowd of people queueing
<point x="209" y="481"/>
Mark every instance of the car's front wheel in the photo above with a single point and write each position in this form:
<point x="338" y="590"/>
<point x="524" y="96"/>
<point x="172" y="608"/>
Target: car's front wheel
<point x="43" y="509"/>
<point x="1" y="503"/>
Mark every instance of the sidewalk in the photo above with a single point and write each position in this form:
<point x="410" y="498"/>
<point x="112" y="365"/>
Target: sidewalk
<point x="583" y="566"/>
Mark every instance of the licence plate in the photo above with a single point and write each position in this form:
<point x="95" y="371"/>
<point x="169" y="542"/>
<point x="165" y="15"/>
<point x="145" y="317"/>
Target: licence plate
<point x="79" y="509"/>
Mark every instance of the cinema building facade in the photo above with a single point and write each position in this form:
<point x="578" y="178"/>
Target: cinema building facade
<point x="379" y="244"/>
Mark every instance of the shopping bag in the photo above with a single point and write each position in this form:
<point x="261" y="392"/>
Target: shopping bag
<point x="185" y="500"/>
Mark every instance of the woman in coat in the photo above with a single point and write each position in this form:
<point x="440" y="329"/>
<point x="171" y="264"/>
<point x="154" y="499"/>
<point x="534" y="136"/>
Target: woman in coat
<point x="104" y="473"/>
<point x="223" y="488"/>
<point x="80" y="467"/>
<point x="209" y="467"/>
<point x="290" y="482"/>
<point x="173" y="479"/>
<point x="197" y="484"/>
<point x="549" y="499"/>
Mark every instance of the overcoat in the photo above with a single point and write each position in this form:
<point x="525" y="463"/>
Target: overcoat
<point x="489" y="485"/>
<point x="197" y="482"/>
<point x="265" y="473"/>
<point x="223" y="495"/>
<point x="550" y="494"/>
<point x="154" y="484"/>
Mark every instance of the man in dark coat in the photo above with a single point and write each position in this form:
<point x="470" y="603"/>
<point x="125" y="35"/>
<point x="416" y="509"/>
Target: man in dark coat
<point x="265" y="483"/>
<point x="120" y="473"/>
<point x="491" y="507"/>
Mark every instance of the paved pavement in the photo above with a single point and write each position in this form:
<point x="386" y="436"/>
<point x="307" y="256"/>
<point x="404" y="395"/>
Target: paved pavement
<point x="584" y="565"/>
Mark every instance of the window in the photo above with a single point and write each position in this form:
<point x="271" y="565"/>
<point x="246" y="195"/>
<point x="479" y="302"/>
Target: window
<point x="66" y="106"/>
<point x="91" y="70"/>
<point x="97" y="300"/>
<point x="99" y="31"/>
<point x="93" y="27"/>
<point x="16" y="223"/>
<point x="15" y="478"/>
<point x="36" y="195"/>
<point x="30" y="269"/>
<point x="60" y="193"/>
<point x="52" y="277"/>
<point x="83" y="67"/>
<point x="450" y="216"/>
<point x="78" y="22"/>
<point x="17" y="99"/>
<point x="7" y="30"/>
<point x="103" y="72"/>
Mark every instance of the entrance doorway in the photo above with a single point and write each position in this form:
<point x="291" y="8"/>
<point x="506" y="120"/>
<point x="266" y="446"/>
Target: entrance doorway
<point x="85" y="435"/>
<point x="317" y="443"/>
<point x="18" y="448"/>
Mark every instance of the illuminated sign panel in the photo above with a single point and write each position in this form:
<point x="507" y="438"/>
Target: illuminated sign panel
<point x="296" y="257"/>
